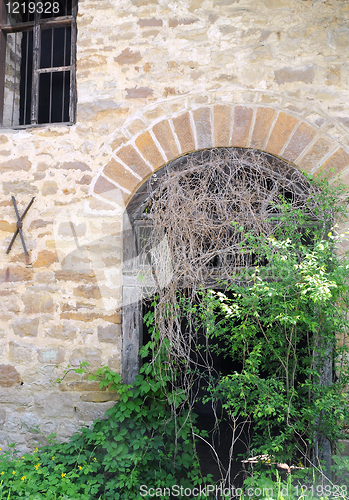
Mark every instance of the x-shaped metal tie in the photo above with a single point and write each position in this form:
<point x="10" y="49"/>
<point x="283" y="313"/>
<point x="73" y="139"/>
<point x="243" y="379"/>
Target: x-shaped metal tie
<point x="19" y="225"/>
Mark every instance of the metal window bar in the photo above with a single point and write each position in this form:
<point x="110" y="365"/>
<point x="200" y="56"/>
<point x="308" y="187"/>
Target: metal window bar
<point x="26" y="80"/>
<point x="64" y="62"/>
<point x="14" y="80"/>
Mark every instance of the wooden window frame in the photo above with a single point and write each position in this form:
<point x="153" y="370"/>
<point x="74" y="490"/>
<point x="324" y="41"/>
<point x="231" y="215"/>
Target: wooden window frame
<point x="37" y="25"/>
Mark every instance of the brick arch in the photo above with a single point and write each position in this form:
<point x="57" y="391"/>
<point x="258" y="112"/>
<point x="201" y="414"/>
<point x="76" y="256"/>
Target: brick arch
<point x="265" y="127"/>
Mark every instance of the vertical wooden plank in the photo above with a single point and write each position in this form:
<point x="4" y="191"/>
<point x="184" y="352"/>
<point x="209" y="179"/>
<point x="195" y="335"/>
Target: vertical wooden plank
<point x="36" y="65"/>
<point x="132" y="332"/>
<point x="132" y="322"/>
<point x="3" y="19"/>
<point x="72" y="99"/>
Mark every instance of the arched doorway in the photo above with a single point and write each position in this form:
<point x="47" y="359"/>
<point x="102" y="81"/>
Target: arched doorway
<point x="227" y="187"/>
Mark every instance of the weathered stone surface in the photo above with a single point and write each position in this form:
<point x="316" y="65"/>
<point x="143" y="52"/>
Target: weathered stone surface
<point x="9" y="376"/>
<point x="15" y="274"/>
<point x="7" y="226"/>
<point x="19" y="188"/>
<point x="30" y="421"/>
<point x="164" y="135"/>
<point x="71" y="230"/>
<point x="56" y="404"/>
<point x="222" y="118"/>
<point x="114" y="363"/>
<point x="286" y="75"/>
<point x="38" y="303"/>
<point x="39" y="223"/>
<point x="49" y="188"/>
<point x="149" y="22"/>
<point x="149" y="150"/>
<point x="176" y="22"/>
<point x="20" y="352"/>
<point x="130" y="156"/>
<point x="45" y="258"/>
<point x="89" y="354"/>
<point x="138" y="93"/>
<point x="242" y="126"/>
<point x="99" y="397"/>
<point x="128" y="57"/>
<point x="25" y="327"/>
<point x="281" y="131"/>
<point x="299" y="141"/>
<point x="21" y="163"/>
<point x="88" y="291"/>
<point x="184" y="132"/>
<point x="87" y="412"/>
<point x="53" y="355"/>
<point x="110" y="334"/>
<point x="63" y="331"/>
<point x="336" y="162"/>
<point x="118" y="173"/>
<point x="316" y="152"/>
<point x="263" y="122"/>
<point x="202" y="119"/>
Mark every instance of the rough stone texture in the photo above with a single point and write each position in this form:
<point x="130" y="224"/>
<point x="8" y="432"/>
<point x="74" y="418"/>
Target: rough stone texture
<point x="152" y="79"/>
<point x="110" y="334"/>
<point x="118" y="173"/>
<point x="202" y="119"/>
<point x="164" y="135"/>
<point x="280" y="133"/>
<point x="149" y="150"/>
<point x="261" y="129"/>
<point x="9" y="377"/>
<point x="299" y="141"/>
<point x="25" y="327"/>
<point x="184" y="132"/>
<point x="133" y="160"/>
<point x="241" y="126"/>
<point x="222" y="125"/>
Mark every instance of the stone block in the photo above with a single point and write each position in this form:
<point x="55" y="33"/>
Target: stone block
<point x="263" y="122"/>
<point x="18" y="164"/>
<point x="99" y="396"/>
<point x="109" y="191"/>
<point x="74" y="165"/>
<point x="110" y="334"/>
<point x="281" y="132"/>
<point x="202" y="120"/>
<point x="118" y="173"/>
<point x="149" y="150"/>
<point x="317" y="151"/>
<point x="138" y="92"/>
<point x="16" y="274"/>
<point x="36" y="303"/>
<point x="45" y="258"/>
<point x="30" y="421"/>
<point x="287" y="75"/>
<point x="9" y="376"/>
<point x="20" y="352"/>
<point x="49" y="188"/>
<point x="57" y="404"/>
<point x="114" y="363"/>
<point x="184" y="132"/>
<point x="222" y="125"/>
<point x="71" y="230"/>
<point x="337" y="162"/>
<point x="63" y="331"/>
<point x="164" y="135"/>
<point x="88" y="291"/>
<point x="89" y="354"/>
<point x="25" y="327"/>
<point x="127" y="56"/>
<point x="88" y="412"/>
<point x="242" y="125"/>
<point x="53" y="355"/>
<point x="299" y="141"/>
<point x="132" y="159"/>
<point x="7" y="226"/>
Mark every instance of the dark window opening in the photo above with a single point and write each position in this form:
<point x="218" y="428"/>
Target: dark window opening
<point x="37" y="62"/>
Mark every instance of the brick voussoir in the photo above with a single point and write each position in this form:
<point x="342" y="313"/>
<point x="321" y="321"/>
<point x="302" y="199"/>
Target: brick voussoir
<point x="222" y="116"/>
<point x="281" y="132"/>
<point x="163" y="132"/>
<point x="184" y="132"/>
<point x="202" y="120"/>
<point x="149" y="150"/>
<point x="118" y="173"/>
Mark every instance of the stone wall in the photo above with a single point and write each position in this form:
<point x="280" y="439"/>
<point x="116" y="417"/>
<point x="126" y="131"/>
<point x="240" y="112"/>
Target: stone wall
<point x="155" y="79"/>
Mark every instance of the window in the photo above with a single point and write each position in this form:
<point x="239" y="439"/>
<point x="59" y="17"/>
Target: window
<point x="37" y="62"/>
